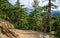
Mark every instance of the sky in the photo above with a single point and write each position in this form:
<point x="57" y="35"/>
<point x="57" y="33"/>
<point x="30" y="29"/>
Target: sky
<point x="28" y="3"/>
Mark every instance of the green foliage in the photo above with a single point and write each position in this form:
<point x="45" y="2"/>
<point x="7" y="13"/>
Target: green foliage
<point x="18" y="16"/>
<point x="3" y="8"/>
<point x="35" y="17"/>
<point x="56" y="25"/>
<point x="29" y="21"/>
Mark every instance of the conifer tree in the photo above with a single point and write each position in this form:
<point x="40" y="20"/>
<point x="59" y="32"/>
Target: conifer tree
<point x="20" y="16"/>
<point x="47" y="16"/>
<point x="35" y="17"/>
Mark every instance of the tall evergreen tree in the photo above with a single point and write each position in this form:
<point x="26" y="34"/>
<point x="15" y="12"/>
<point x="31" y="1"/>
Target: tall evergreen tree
<point x="20" y="16"/>
<point x="35" y="18"/>
<point x="47" y="16"/>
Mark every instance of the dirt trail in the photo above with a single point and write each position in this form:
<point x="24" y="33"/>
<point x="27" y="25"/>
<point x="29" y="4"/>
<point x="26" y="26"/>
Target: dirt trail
<point x="27" y="34"/>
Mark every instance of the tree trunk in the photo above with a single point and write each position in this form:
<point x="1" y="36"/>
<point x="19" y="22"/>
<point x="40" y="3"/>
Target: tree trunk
<point x="47" y="19"/>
